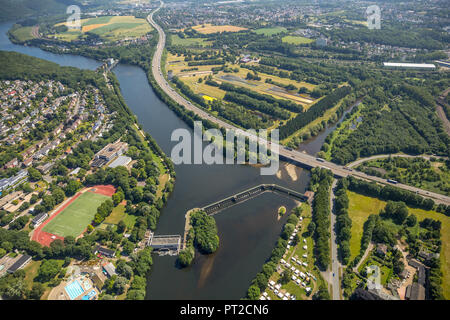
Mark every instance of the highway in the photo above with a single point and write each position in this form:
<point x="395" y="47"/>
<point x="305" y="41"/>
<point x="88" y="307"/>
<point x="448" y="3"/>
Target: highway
<point x="287" y="153"/>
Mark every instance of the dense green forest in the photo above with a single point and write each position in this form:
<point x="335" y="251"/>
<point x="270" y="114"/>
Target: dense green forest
<point x="316" y="111"/>
<point x="396" y="117"/>
<point x="320" y="183"/>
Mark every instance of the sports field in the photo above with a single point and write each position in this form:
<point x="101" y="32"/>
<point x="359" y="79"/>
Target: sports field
<point x="74" y="219"/>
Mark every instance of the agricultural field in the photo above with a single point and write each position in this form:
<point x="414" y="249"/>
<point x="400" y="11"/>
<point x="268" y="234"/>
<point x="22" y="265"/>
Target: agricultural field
<point x="270" y="31"/>
<point x="74" y="219"/>
<point x="23" y="33"/>
<point x="360" y="207"/>
<point x="209" y="28"/>
<point x="189" y="42"/>
<point x="110" y="28"/>
<point x="297" y="40"/>
<point x="176" y="64"/>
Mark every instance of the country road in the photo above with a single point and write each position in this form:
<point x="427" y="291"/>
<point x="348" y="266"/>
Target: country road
<point x="382" y="156"/>
<point x="284" y="152"/>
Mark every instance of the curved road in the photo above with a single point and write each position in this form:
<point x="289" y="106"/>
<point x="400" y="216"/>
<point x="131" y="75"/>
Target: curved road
<point x="287" y="153"/>
<point x="382" y="156"/>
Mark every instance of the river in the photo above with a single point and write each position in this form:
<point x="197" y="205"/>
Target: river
<point x="247" y="232"/>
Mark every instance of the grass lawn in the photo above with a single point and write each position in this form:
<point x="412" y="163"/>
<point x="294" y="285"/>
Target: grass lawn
<point x="270" y="31"/>
<point x="116" y="215"/>
<point x="296" y="40"/>
<point x="77" y="216"/>
<point x="360" y="207"/>
<point x="31" y="271"/>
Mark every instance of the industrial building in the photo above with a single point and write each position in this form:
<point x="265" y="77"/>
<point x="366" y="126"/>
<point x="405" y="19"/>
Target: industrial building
<point x="401" y="65"/>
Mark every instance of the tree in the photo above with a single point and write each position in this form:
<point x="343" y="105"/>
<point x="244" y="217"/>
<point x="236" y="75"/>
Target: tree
<point x="411" y="221"/>
<point x="185" y="257"/>
<point x="253" y="292"/>
<point x="34" y="174"/>
<point x="119" y="285"/>
<point x="121" y="226"/>
<point x="286" y="277"/>
<point x="36" y="291"/>
<point x="48" y="270"/>
<point x="287" y="231"/>
<point x="311" y="228"/>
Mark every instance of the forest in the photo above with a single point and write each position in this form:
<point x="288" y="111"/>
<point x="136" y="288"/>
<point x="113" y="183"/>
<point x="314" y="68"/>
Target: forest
<point x="320" y="183"/>
<point x="315" y="111"/>
<point x="397" y="118"/>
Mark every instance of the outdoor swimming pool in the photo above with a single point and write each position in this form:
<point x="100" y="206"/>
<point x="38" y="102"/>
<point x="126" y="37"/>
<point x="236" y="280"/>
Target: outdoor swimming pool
<point x="89" y="296"/>
<point x="74" y="289"/>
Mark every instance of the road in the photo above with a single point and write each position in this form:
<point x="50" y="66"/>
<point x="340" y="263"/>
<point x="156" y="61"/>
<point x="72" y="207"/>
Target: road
<point x="382" y="156"/>
<point x="335" y="264"/>
<point x="287" y="153"/>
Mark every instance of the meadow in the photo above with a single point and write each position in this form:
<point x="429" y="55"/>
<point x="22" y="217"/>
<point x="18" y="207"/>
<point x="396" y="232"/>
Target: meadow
<point x="270" y="31"/>
<point x="297" y="40"/>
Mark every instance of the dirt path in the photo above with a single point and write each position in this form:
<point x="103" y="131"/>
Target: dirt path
<point x="35" y="32"/>
<point x="369" y="248"/>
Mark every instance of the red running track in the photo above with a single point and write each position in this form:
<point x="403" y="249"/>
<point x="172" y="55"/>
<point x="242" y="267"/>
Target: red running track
<point x="45" y="238"/>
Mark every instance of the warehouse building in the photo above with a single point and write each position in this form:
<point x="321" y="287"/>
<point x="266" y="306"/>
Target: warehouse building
<point x="401" y="65"/>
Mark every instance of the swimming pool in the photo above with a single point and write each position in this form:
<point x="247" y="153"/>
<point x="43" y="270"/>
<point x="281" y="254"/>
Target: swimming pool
<point x="89" y="296"/>
<point x="74" y="289"/>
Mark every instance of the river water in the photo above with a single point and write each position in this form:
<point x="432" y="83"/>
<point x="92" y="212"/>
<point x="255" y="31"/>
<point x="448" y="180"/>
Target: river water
<point x="247" y="232"/>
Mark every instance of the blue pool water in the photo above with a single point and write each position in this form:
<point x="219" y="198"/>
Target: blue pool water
<point x="89" y="296"/>
<point x="74" y="289"/>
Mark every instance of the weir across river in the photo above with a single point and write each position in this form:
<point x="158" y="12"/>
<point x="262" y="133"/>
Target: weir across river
<point x="218" y="206"/>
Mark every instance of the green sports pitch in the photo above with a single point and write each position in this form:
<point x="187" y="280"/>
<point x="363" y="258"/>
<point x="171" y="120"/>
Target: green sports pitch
<point x="74" y="219"/>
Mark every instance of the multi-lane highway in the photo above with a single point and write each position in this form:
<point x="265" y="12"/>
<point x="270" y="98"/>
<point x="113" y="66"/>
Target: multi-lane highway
<point x="286" y="153"/>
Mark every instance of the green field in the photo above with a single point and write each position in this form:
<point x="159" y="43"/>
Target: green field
<point x="23" y="33"/>
<point x="111" y="28"/>
<point x="360" y="207"/>
<point x="74" y="219"/>
<point x="270" y="31"/>
<point x="189" y="42"/>
<point x="296" y="40"/>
